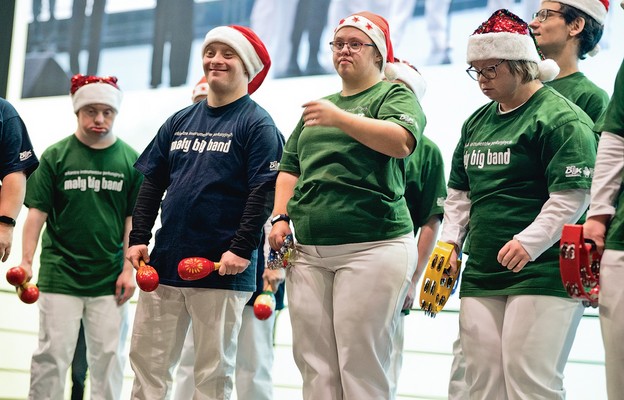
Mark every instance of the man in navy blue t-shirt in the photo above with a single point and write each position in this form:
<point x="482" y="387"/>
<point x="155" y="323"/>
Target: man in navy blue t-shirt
<point x="215" y="162"/>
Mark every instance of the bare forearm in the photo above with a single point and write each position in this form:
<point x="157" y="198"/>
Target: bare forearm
<point x="30" y="234"/>
<point x="284" y="190"/>
<point x="383" y="136"/>
<point x="12" y="194"/>
<point x="426" y="243"/>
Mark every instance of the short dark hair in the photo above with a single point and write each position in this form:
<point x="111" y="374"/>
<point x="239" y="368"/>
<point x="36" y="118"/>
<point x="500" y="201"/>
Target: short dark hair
<point x="591" y="33"/>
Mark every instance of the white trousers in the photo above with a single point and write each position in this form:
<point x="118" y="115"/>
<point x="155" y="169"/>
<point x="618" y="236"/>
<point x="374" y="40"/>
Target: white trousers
<point x="344" y="302"/>
<point x="106" y="328"/>
<point x="254" y="361"/>
<point x="160" y="325"/>
<point x="458" y="389"/>
<point x="516" y="347"/>
<point x="611" y="309"/>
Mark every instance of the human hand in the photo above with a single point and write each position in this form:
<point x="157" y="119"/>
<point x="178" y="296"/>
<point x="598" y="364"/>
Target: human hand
<point x="231" y="264"/>
<point x="136" y="253"/>
<point x="6" y="240"/>
<point x="320" y="113"/>
<point x="595" y="228"/>
<point x="273" y="277"/>
<point x="278" y="233"/>
<point x="411" y="295"/>
<point x="513" y="256"/>
<point x="124" y="286"/>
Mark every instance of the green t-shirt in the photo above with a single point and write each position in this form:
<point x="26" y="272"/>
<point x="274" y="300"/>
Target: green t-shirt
<point x="510" y="164"/>
<point x="87" y="195"/>
<point x="613" y="121"/>
<point x="346" y="191"/>
<point x="426" y="185"/>
<point x="582" y="92"/>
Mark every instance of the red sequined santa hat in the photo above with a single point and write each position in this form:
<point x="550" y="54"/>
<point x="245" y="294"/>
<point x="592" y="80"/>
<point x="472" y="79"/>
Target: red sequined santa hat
<point x="376" y="28"/>
<point x="88" y="89"/>
<point x="597" y="9"/>
<point x="200" y="91"/>
<point x="249" y="48"/>
<point x="506" y="36"/>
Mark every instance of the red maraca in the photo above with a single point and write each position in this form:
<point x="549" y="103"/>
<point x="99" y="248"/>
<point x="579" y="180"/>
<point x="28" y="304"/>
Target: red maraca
<point x="194" y="268"/>
<point x="26" y="291"/>
<point x="16" y="276"/>
<point x="147" y="277"/>
<point x="265" y="304"/>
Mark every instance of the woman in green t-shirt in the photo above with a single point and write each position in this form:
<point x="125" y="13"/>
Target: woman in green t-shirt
<point x="521" y="170"/>
<point x="341" y="182"/>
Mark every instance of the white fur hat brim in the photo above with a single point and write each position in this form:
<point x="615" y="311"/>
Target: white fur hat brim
<point x="236" y="40"/>
<point x="97" y="93"/>
<point x="510" y="46"/>
<point x="593" y="8"/>
<point x="501" y="45"/>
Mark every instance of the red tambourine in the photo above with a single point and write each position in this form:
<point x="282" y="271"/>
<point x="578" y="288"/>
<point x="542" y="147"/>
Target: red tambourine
<point x="194" y="268"/>
<point x="579" y="263"/>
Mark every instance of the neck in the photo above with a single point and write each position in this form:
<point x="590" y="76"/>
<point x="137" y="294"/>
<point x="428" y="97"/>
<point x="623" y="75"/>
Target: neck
<point x="567" y="60"/>
<point x="350" y="88"/>
<point x="220" y="99"/>
<point x="100" y="142"/>
<point x="521" y="96"/>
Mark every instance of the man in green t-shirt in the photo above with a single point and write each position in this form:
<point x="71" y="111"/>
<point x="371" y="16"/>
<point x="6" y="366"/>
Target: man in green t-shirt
<point x="568" y="31"/>
<point x="605" y="226"/>
<point x="83" y="192"/>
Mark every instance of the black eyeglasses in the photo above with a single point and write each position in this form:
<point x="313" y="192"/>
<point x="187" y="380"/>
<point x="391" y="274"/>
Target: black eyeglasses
<point x="542" y="15"/>
<point x="354" y="47"/>
<point x="487" y="72"/>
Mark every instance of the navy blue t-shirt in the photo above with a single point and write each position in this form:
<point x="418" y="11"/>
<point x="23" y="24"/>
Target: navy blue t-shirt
<point x="209" y="159"/>
<point x="16" y="150"/>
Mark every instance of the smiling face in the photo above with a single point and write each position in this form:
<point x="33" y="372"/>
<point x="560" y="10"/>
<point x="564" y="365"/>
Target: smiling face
<point x="224" y="69"/>
<point x="352" y="65"/>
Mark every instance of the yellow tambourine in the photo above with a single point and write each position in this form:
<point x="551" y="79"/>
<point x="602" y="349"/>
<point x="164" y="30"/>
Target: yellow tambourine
<point x="438" y="285"/>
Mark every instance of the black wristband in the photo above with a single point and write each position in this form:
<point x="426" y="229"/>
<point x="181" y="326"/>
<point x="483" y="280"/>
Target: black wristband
<point x="7" y="220"/>
<point x="280" y="217"/>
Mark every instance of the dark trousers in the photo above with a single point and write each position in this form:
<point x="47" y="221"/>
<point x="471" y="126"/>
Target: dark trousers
<point x="79" y="366"/>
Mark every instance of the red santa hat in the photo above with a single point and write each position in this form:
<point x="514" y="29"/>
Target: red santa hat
<point x="376" y="28"/>
<point x="200" y="90"/>
<point x="408" y="74"/>
<point x="597" y="9"/>
<point x="249" y="48"/>
<point x="87" y="89"/>
<point x="506" y="36"/>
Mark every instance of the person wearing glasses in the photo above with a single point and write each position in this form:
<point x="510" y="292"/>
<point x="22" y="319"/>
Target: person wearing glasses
<point x="342" y="183"/>
<point x="568" y="31"/>
<point x="521" y="170"/>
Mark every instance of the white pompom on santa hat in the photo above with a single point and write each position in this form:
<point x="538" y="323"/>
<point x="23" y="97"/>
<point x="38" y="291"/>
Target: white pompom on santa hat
<point x="88" y="89"/>
<point x="378" y="30"/>
<point x="506" y="36"/>
<point x="249" y="48"/>
<point x="405" y="72"/>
